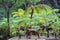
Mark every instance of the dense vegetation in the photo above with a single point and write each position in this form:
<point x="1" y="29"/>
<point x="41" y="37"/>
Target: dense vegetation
<point x="19" y="13"/>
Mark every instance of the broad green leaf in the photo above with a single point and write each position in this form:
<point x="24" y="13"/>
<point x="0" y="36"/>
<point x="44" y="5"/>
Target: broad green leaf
<point x="55" y="10"/>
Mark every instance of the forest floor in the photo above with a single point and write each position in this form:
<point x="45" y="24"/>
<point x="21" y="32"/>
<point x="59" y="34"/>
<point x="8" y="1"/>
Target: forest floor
<point x="34" y="38"/>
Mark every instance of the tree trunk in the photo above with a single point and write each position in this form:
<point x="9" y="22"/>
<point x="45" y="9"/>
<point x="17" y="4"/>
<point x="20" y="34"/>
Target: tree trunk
<point x="47" y="33"/>
<point x="55" y="34"/>
<point x="41" y="32"/>
<point x="8" y="26"/>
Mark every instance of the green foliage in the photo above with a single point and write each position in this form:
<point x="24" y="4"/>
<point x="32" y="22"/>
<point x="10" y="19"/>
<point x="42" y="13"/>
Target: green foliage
<point x="42" y="14"/>
<point x="38" y="16"/>
<point x="0" y="1"/>
<point x="19" y="13"/>
<point x="14" y="4"/>
<point x="35" y="1"/>
<point x="3" y="23"/>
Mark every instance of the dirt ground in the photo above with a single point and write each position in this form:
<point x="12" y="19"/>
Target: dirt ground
<point x="34" y="38"/>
